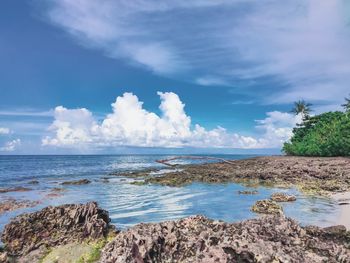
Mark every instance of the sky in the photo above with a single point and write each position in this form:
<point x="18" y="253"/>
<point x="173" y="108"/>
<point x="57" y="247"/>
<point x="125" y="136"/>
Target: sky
<point x="175" y="76"/>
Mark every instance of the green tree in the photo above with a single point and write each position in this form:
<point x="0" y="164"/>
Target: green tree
<point x="302" y="107"/>
<point x="346" y="105"/>
<point x="327" y="134"/>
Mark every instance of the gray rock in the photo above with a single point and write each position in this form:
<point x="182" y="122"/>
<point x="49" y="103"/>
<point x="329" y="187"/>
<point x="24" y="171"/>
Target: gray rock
<point x="53" y="226"/>
<point x="198" y="239"/>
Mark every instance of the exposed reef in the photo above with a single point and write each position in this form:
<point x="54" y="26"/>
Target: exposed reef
<point x="310" y="175"/>
<point x="15" y="189"/>
<point x="82" y="233"/>
<point x="77" y="182"/>
<point x="267" y="207"/>
<point x="199" y="239"/>
<point x="54" y="226"/>
<point x="282" y="197"/>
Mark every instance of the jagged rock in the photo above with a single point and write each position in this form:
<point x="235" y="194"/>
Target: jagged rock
<point x="54" y="226"/>
<point x="267" y="207"/>
<point x="14" y="189"/>
<point x="13" y="204"/>
<point x="198" y="239"/>
<point x="282" y="197"/>
<point x="78" y="182"/>
<point x="247" y="192"/>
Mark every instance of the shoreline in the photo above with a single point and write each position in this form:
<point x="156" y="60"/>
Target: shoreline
<point x="311" y="175"/>
<point x="315" y="176"/>
<point x="88" y="236"/>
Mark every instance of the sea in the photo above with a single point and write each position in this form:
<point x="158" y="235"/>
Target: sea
<point x="130" y="204"/>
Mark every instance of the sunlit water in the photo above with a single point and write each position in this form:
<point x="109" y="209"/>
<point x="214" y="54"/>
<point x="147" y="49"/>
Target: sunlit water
<point x="131" y="204"/>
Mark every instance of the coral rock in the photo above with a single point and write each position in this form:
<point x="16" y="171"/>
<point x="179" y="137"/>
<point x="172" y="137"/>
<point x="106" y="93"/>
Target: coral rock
<point x="282" y="197"/>
<point x="54" y="226"/>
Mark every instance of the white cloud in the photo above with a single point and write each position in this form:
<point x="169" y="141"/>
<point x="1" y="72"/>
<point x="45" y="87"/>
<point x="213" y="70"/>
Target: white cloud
<point x="4" y="130"/>
<point x="277" y="128"/>
<point x="71" y="126"/>
<point x="301" y="44"/>
<point x="11" y="145"/>
<point x="131" y="125"/>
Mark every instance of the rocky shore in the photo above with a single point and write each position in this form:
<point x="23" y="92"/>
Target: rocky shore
<point x="82" y="233"/>
<point x="310" y="175"/>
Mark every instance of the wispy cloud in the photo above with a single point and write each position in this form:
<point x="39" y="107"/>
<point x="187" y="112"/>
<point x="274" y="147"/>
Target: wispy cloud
<point x="26" y="113"/>
<point x="302" y="45"/>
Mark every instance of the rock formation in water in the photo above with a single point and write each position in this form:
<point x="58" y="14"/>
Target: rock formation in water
<point x="78" y="182"/>
<point x="283" y="197"/>
<point x="267" y="207"/>
<point x="311" y="175"/>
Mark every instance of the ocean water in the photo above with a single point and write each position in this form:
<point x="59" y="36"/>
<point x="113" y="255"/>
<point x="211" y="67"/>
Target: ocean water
<point x="131" y="204"/>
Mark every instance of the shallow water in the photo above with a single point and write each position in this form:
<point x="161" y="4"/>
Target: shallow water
<point x="131" y="204"/>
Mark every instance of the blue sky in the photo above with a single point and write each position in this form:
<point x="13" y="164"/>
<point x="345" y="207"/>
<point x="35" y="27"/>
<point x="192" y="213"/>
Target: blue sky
<point x="212" y="75"/>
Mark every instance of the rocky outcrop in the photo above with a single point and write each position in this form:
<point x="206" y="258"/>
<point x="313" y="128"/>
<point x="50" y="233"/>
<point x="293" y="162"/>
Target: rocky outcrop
<point x="282" y="197"/>
<point x="198" y="239"/>
<point x="13" y="204"/>
<point x="267" y="207"/>
<point x="78" y="182"/>
<point x="14" y="189"/>
<point x="54" y="226"/>
<point x="311" y="175"/>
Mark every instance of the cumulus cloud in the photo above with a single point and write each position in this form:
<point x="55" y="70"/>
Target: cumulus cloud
<point x="299" y="46"/>
<point x="11" y="145"/>
<point x="4" y="130"/>
<point x="130" y="124"/>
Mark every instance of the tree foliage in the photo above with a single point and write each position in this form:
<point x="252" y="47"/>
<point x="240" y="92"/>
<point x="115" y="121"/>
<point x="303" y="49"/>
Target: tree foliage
<point x="346" y="105"/>
<point x="327" y="134"/>
<point x="301" y="107"/>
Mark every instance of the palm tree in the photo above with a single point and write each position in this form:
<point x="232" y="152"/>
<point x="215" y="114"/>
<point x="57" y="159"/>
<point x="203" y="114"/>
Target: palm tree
<point x="301" y="107"/>
<point x="346" y="105"/>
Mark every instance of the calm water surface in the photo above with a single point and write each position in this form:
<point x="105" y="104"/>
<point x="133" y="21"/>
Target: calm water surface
<point x="131" y="204"/>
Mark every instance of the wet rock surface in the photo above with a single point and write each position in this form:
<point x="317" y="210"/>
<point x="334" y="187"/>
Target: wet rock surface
<point x="282" y="197"/>
<point x="53" y="226"/>
<point x="198" y="239"/>
<point x="267" y="207"/>
<point x="77" y="182"/>
<point x="15" y="189"/>
<point x="135" y="174"/>
<point x="248" y="192"/>
<point x="11" y="204"/>
<point x="310" y="175"/>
